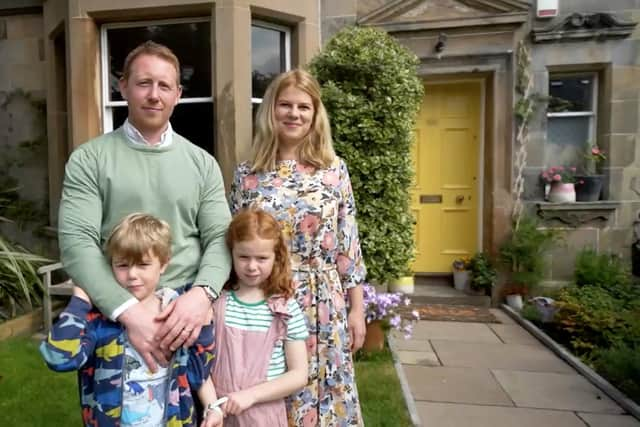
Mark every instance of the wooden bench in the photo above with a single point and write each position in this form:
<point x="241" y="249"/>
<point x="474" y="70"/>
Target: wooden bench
<point x="63" y="288"/>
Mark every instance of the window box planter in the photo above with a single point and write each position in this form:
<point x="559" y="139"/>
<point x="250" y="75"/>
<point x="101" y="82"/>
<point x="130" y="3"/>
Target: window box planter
<point x="577" y="213"/>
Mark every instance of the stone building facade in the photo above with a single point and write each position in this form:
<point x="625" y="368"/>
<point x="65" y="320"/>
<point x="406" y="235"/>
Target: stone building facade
<point x="590" y="43"/>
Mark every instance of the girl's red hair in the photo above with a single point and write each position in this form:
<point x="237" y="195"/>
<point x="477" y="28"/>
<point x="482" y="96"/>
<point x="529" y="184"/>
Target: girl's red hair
<point x="256" y="223"/>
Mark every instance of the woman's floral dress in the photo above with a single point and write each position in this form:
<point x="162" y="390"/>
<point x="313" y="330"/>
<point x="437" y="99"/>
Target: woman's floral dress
<point x="317" y="212"/>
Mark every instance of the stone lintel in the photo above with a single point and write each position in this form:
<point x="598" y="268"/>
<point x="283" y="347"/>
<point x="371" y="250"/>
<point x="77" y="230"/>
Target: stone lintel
<point x="584" y="26"/>
<point x="395" y="27"/>
<point x="578" y="213"/>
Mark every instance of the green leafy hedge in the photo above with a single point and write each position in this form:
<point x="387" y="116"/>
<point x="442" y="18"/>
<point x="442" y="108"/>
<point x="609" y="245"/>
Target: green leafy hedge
<point x="372" y="93"/>
<point x="598" y="318"/>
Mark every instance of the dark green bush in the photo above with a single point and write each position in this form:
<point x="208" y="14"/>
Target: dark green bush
<point x="372" y="93"/>
<point x="621" y="366"/>
<point x="590" y="318"/>
<point x="607" y="271"/>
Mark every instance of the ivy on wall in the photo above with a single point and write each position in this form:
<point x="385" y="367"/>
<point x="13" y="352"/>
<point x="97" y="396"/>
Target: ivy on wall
<point x="372" y="92"/>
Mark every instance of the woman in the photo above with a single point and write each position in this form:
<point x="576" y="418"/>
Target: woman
<point x="296" y="176"/>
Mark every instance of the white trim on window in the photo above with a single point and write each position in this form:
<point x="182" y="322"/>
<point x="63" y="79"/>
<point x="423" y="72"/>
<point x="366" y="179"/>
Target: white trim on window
<point x="593" y="113"/>
<point x="287" y="45"/>
<point x="107" y="104"/>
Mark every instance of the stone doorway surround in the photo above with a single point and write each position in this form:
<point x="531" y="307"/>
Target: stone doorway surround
<point x="462" y="40"/>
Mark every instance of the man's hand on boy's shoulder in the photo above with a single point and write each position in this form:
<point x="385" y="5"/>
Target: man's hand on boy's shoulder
<point x="78" y="292"/>
<point x="183" y="319"/>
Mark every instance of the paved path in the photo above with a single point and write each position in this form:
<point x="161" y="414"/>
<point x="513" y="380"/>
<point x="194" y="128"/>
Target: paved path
<point x="497" y="375"/>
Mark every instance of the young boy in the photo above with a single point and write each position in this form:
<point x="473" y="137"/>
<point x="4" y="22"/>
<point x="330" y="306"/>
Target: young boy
<point x="116" y="387"/>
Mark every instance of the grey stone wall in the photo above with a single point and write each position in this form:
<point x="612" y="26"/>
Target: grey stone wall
<point x="22" y="120"/>
<point x="617" y="64"/>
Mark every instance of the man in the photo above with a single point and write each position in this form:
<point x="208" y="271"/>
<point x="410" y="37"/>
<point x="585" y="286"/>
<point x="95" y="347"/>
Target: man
<point x="144" y="166"/>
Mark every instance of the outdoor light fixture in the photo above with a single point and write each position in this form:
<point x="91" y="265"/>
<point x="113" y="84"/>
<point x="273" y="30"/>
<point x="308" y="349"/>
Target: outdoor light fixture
<point x="441" y="43"/>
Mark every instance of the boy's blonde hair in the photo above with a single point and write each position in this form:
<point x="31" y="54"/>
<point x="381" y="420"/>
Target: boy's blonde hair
<point x="136" y="235"/>
<point x="317" y="147"/>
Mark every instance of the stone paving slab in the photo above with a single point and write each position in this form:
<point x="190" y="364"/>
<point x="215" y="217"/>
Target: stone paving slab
<point x="514" y="334"/>
<point x="549" y="390"/>
<point x="421" y="358"/>
<point x="503" y="356"/>
<point x="409" y="345"/>
<point x="454" y="331"/>
<point x="433" y="414"/>
<point x="602" y="420"/>
<point x="475" y="386"/>
<point x="502" y="317"/>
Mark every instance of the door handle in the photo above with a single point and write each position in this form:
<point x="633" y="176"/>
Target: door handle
<point x="459" y="199"/>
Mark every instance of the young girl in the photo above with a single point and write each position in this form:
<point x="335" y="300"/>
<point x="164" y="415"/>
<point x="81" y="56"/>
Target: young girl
<point x="260" y="330"/>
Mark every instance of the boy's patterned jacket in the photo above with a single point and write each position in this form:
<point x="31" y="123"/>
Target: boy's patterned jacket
<point x="85" y="340"/>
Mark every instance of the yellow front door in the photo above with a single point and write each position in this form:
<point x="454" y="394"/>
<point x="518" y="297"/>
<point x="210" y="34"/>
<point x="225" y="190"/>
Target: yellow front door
<point x="446" y="160"/>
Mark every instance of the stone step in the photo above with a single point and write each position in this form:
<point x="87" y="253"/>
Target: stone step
<point x="440" y="290"/>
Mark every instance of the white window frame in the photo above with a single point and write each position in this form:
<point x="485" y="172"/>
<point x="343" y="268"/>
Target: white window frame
<point x="593" y="113"/>
<point x="287" y="46"/>
<point x="107" y="104"/>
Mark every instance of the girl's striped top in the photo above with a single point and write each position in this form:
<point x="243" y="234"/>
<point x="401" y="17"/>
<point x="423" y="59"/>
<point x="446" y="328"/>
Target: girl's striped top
<point x="257" y="317"/>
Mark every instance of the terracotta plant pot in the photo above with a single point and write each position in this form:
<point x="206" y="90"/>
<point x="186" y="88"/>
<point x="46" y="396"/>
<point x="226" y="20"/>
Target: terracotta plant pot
<point x="374" y="339"/>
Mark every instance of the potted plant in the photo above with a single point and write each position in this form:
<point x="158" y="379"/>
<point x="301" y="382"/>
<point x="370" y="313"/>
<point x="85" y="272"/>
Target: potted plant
<point x="383" y="311"/>
<point x="523" y="255"/>
<point x="513" y="294"/>
<point x="404" y="284"/>
<point x="461" y="273"/>
<point x="589" y="185"/>
<point x="560" y="183"/>
<point x="483" y="274"/>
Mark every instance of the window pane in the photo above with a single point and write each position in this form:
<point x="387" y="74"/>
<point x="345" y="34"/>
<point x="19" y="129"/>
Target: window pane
<point x="268" y="58"/>
<point x="567" y="138"/>
<point x="571" y="94"/>
<point x="194" y="121"/>
<point x="189" y="41"/>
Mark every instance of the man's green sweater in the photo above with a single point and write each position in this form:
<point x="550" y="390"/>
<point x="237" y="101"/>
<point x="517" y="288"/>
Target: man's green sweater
<point x="110" y="177"/>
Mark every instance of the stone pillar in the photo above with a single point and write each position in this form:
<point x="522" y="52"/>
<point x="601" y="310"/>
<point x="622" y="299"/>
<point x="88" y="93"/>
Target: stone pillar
<point x="83" y="49"/>
<point x="337" y="14"/>
<point x="308" y="42"/>
<point x="232" y="91"/>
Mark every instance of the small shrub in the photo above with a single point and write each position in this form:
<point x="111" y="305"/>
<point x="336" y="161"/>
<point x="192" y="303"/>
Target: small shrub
<point x="589" y="318"/>
<point x="483" y="275"/>
<point x="530" y="313"/>
<point x="607" y="271"/>
<point x="621" y="366"/>
<point x="523" y="252"/>
<point x="20" y="285"/>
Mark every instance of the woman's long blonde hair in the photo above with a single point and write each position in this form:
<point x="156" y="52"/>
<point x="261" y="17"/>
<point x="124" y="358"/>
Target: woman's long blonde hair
<point x="317" y="147"/>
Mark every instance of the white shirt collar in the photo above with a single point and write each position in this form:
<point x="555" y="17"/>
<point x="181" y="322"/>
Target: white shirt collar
<point x="134" y="135"/>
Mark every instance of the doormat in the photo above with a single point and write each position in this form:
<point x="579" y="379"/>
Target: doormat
<point x="453" y="313"/>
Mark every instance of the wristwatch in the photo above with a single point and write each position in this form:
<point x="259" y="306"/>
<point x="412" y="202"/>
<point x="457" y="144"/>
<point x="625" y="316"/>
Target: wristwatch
<point x="210" y="293"/>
